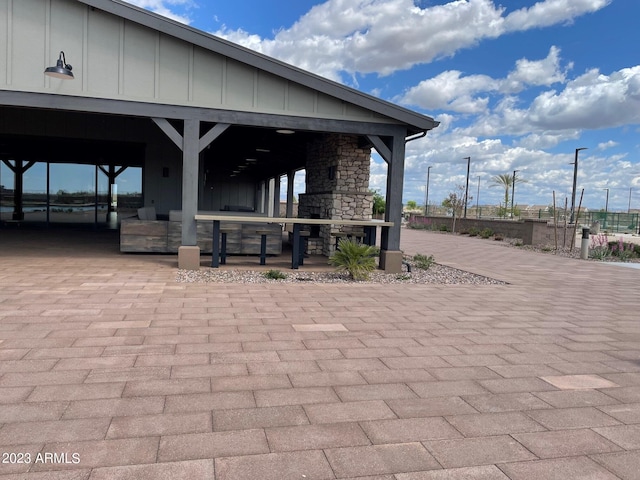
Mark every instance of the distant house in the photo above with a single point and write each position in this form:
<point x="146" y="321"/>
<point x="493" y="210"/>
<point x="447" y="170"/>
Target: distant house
<point x="211" y="124"/>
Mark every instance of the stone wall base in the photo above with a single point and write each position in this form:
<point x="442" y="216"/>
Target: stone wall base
<point x="189" y="258"/>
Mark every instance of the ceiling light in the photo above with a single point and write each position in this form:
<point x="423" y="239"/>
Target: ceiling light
<point x="285" y="131"/>
<point x="263" y="150"/>
<point x="251" y="160"/>
<point x="62" y="69"/>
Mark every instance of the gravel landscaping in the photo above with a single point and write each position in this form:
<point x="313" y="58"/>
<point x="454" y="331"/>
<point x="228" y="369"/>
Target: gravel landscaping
<point x="436" y="274"/>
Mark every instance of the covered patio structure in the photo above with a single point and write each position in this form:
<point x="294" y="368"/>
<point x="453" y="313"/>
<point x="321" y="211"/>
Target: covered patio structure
<point x="213" y="125"/>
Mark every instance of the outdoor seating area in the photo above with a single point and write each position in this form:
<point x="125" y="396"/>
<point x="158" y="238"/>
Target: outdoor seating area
<point x="149" y="234"/>
<point x="224" y="234"/>
<point x="298" y="239"/>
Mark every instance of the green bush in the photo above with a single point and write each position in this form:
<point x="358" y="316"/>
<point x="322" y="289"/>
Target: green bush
<point x="444" y="228"/>
<point x="423" y="261"/>
<point x="599" y="253"/>
<point x="474" y="232"/>
<point x="357" y="259"/>
<point x="274" y="275"/>
<point x="486" y="233"/>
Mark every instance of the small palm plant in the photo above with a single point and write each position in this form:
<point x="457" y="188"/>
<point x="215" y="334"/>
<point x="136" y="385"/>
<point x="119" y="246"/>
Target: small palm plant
<point x="358" y="260"/>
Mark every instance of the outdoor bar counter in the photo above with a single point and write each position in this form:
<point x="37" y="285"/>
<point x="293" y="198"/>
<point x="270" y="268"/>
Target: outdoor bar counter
<point x="148" y="234"/>
<point x="369" y="227"/>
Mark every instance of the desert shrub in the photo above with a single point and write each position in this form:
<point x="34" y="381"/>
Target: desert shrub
<point x="423" y="261"/>
<point x="474" y="231"/>
<point x="274" y="275"/>
<point x="444" y="228"/>
<point x="420" y="223"/>
<point x="357" y="259"/>
<point x="486" y="233"/>
<point x="624" y="251"/>
<point x="599" y="247"/>
<point x="498" y="237"/>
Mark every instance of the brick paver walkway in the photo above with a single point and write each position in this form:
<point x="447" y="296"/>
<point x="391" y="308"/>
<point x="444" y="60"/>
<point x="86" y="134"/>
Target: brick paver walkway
<point x="111" y="370"/>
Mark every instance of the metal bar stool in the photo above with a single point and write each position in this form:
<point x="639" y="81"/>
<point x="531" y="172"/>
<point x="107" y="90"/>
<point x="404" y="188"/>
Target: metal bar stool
<point x="304" y="238"/>
<point x="338" y="236"/>
<point x="356" y="235"/>
<point x="263" y="232"/>
<point x="223" y="244"/>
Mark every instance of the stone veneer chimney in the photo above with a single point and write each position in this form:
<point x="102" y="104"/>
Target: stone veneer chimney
<point x="337" y="186"/>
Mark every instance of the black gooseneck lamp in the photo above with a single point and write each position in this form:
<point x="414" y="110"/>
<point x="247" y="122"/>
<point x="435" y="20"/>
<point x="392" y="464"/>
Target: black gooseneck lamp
<point x="62" y="69"/>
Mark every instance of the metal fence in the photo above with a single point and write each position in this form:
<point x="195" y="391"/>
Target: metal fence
<point x="614" y="222"/>
<point x="609" y="221"/>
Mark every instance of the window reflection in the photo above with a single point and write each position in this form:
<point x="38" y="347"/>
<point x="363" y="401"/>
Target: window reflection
<point x="71" y="193"/>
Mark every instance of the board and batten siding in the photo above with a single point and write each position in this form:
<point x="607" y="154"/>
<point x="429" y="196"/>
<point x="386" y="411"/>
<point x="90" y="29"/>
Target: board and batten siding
<point x="114" y="58"/>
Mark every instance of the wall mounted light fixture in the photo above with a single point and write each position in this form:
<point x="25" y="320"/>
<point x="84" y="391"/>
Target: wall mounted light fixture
<point x="62" y="69"/>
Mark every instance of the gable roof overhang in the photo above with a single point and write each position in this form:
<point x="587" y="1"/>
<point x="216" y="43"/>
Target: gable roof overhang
<point x="249" y="133"/>
<point x="414" y="122"/>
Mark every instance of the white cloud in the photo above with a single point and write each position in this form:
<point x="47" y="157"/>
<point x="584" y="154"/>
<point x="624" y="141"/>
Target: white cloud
<point x="535" y="73"/>
<point x="592" y="101"/>
<point x="544" y="172"/>
<point x="450" y="91"/>
<point x="605" y="145"/>
<point x="551" y="12"/>
<point x="454" y="92"/>
<point x="383" y="36"/>
<point x="248" y="40"/>
<point x="546" y="140"/>
<point x="163" y="7"/>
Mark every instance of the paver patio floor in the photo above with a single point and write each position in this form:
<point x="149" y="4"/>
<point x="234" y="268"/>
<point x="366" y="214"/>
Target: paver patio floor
<point x="109" y="369"/>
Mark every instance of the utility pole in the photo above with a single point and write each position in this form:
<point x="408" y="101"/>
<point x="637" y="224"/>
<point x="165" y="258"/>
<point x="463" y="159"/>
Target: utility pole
<point x="513" y="192"/>
<point x="606" y="208"/>
<point x="478" y="200"/>
<point x="426" y="200"/>
<point x="466" y="191"/>
<point x="575" y="181"/>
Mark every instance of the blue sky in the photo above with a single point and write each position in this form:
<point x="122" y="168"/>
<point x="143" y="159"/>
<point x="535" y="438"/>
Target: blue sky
<point x="518" y="87"/>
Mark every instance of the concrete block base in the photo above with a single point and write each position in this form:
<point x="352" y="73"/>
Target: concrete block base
<point x="189" y="258"/>
<point x="391" y="261"/>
